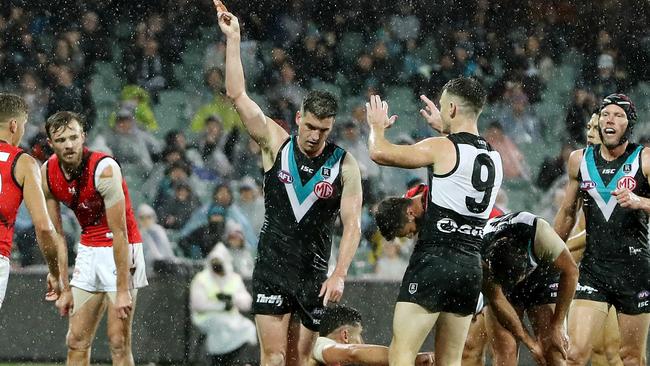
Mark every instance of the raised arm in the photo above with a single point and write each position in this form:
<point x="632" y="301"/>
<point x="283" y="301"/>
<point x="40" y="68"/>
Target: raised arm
<point x="351" y="200"/>
<point x="27" y="174"/>
<point x="384" y="152"/>
<point x="566" y="216"/>
<point x="268" y="134"/>
<point x="109" y="186"/>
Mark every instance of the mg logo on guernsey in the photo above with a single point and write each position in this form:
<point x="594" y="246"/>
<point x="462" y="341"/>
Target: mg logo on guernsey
<point x="626" y="182"/>
<point x="285" y="177"/>
<point x="323" y="190"/>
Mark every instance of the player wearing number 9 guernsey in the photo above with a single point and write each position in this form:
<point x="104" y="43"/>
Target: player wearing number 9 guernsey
<point x="443" y="280"/>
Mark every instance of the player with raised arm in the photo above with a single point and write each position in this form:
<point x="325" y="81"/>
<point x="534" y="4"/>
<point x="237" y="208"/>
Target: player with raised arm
<point x="109" y="267"/>
<point x="20" y="179"/>
<point x="443" y="280"/>
<point x="307" y="182"/>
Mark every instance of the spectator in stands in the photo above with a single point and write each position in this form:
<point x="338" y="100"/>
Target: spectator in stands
<point x="220" y="105"/>
<point x="584" y="103"/>
<point x="133" y="95"/>
<point x="67" y="52"/>
<point x="518" y="122"/>
<point x="352" y="142"/>
<point x="242" y="258"/>
<point x="130" y="145"/>
<point x="390" y="265"/>
<point x="514" y="163"/>
<point x="149" y="70"/>
<point x="65" y="96"/>
<point x="554" y="168"/>
<point x="36" y="98"/>
<point x="176" y="211"/>
<point x="247" y="159"/>
<point x="209" y="151"/>
<point x="288" y="87"/>
<point x="606" y="81"/>
<point x="222" y="196"/>
<point x="251" y="203"/>
<point x="94" y="41"/>
<point x="155" y="242"/>
<point x="217" y="296"/>
<point x="198" y="240"/>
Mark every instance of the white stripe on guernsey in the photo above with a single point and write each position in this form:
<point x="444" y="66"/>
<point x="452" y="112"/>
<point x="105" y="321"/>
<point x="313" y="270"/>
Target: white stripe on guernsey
<point x="606" y="208"/>
<point x="4" y="156"/>
<point x="300" y="209"/>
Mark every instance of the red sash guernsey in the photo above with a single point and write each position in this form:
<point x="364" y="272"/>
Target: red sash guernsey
<point x="11" y="195"/>
<point x="81" y="196"/>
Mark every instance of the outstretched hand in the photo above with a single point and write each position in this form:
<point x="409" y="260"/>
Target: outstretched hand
<point x="228" y="23"/>
<point x="431" y="114"/>
<point x="377" y="113"/>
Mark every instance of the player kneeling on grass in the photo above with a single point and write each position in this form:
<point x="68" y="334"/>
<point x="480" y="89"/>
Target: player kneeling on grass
<point x="340" y="342"/>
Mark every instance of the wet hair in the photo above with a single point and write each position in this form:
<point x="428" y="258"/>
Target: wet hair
<point x="320" y="103"/>
<point x="391" y="216"/>
<point x="507" y="260"/>
<point x="12" y="106"/>
<point x="338" y="316"/>
<point x="470" y="90"/>
<point x="61" y="120"/>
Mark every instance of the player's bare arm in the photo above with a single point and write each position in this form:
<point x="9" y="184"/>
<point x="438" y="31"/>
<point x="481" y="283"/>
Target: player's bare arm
<point x="110" y="188"/>
<point x="366" y="354"/>
<point x="28" y="175"/>
<point x="566" y="216"/>
<point x="65" y="302"/>
<point x="351" y="202"/>
<point x="268" y="134"/>
<point x="507" y="316"/>
<point x="556" y="250"/>
<point x="626" y="198"/>
<point x="578" y="241"/>
<point x="384" y="152"/>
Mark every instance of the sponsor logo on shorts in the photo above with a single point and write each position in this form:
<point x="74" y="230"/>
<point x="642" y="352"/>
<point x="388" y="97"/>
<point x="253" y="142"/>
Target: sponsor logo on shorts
<point x="270" y="299"/>
<point x="643" y="304"/>
<point x="584" y="288"/>
<point x="554" y="286"/>
<point x="643" y="294"/>
<point x="627" y="168"/>
<point x="413" y="287"/>
<point x="450" y="226"/>
<point x="626" y="182"/>
<point x="285" y="177"/>
<point x="587" y="185"/>
<point x="634" y="251"/>
<point x="323" y="190"/>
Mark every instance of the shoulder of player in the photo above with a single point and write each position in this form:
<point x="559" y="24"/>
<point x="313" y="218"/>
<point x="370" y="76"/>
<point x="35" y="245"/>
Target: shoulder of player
<point x="575" y="159"/>
<point x="106" y="167"/>
<point x="25" y="163"/>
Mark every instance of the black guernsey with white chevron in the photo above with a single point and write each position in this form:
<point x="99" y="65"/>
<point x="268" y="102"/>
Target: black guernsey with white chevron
<point x="302" y="197"/>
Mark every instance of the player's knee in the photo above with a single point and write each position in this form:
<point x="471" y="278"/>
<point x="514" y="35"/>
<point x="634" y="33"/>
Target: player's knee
<point x="118" y="344"/>
<point x="632" y="356"/>
<point x="76" y="342"/>
<point x="578" y="355"/>
<point x="274" y="358"/>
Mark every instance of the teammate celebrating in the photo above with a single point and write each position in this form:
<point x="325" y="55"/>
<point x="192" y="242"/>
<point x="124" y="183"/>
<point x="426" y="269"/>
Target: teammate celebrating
<point x="606" y="346"/>
<point x="464" y="177"/>
<point x="307" y="181"/>
<point x="110" y="265"/>
<point x="611" y="181"/>
<point x="530" y="271"/>
<point x="20" y="179"/>
<point x="341" y="342"/>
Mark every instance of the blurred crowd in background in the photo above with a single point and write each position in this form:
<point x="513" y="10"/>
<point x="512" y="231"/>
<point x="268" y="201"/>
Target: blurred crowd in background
<point x="149" y="78"/>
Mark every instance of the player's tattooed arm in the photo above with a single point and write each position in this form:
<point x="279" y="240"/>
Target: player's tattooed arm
<point x="268" y="134"/>
<point x="566" y="216"/>
<point x="351" y="202"/>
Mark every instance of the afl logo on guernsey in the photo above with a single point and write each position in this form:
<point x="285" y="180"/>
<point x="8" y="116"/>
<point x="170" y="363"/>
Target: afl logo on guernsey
<point x="323" y="190"/>
<point x="626" y="182"/>
<point x="285" y="177"/>
<point x="587" y="185"/>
